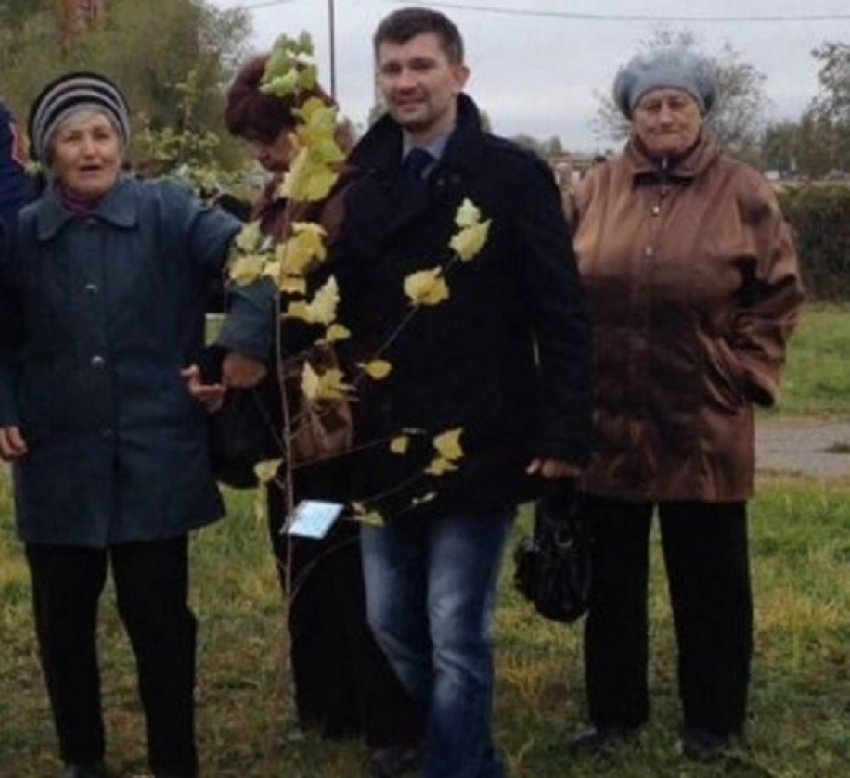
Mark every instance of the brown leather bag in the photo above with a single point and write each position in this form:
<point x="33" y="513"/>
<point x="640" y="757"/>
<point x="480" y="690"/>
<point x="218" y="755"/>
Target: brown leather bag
<point x="320" y="430"/>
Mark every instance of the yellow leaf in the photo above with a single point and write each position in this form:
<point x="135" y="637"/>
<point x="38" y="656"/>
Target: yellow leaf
<point x="448" y="445"/>
<point x="321" y="309"/>
<point x="299" y="310"/>
<point x="309" y="381"/>
<point x="247" y="269"/>
<point x="303" y="250"/>
<point x="467" y="214"/>
<point x="292" y="284"/>
<point x="470" y="240"/>
<point x="319" y="183"/>
<point x="377" y="368"/>
<point x="323" y="387"/>
<point x="337" y="332"/>
<point x="249" y="237"/>
<point x="267" y="470"/>
<point x="282" y="85"/>
<point x="325" y="301"/>
<point x="371" y="519"/>
<point x="440" y="466"/>
<point x="429" y="497"/>
<point x="399" y="444"/>
<point x="367" y="516"/>
<point x="308" y="178"/>
<point x="271" y="269"/>
<point x="426" y="287"/>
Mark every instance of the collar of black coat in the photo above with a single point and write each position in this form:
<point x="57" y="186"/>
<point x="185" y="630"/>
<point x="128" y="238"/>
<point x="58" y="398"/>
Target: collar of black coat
<point x="380" y="149"/>
<point x="118" y="207"/>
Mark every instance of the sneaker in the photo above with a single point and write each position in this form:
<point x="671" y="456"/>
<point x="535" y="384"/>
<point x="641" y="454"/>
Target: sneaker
<point x="601" y="740"/>
<point x="705" y="747"/>
<point x="393" y="761"/>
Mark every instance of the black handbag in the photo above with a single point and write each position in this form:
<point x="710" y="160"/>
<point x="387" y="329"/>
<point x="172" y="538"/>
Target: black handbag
<point x="552" y="567"/>
<point x="247" y="430"/>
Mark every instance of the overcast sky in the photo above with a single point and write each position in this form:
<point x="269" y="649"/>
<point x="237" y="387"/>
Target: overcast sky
<point x="536" y="67"/>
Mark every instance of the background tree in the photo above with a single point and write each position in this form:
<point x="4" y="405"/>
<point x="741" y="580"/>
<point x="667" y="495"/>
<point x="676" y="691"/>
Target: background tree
<point x="832" y="105"/>
<point x="155" y="51"/>
<point x="817" y="145"/>
<point x="738" y="118"/>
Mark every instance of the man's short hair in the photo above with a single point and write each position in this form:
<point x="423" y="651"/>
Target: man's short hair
<point x="406" y="23"/>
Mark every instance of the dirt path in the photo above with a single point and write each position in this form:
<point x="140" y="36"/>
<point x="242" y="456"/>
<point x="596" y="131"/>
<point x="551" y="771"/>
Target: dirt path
<point x="803" y="446"/>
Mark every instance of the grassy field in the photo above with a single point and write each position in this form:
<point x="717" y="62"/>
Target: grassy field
<point x="817" y="379"/>
<point x="800" y="705"/>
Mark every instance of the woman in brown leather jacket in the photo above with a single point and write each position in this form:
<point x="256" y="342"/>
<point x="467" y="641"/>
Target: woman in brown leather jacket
<point x="694" y="290"/>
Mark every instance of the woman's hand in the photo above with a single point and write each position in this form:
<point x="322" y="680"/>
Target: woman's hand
<point x="211" y="396"/>
<point x="12" y="444"/>
<point x="239" y="371"/>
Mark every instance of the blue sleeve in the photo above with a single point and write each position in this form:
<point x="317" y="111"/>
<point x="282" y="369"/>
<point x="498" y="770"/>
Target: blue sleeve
<point x="248" y="327"/>
<point x="15" y="185"/>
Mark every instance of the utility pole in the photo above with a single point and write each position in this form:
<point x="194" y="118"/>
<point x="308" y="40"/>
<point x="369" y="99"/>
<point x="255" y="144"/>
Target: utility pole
<point x="332" y="42"/>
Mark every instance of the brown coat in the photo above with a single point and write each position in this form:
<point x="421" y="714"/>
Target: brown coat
<point x="694" y="290"/>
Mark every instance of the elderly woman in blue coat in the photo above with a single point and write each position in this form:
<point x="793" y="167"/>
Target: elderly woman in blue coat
<point x="104" y="290"/>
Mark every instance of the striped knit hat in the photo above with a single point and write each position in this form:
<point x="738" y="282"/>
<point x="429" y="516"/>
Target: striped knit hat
<point x="68" y="94"/>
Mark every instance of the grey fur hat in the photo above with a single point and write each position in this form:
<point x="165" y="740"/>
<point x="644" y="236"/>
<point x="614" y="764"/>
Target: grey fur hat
<point x="673" y="67"/>
<point x="67" y="94"/>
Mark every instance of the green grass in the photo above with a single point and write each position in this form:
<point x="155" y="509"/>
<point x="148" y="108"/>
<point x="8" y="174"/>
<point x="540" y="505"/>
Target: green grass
<point x="800" y="700"/>
<point x="800" y="692"/>
<point x="817" y="378"/>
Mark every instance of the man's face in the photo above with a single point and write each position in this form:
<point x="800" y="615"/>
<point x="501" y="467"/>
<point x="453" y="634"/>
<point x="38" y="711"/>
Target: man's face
<point x="419" y="85"/>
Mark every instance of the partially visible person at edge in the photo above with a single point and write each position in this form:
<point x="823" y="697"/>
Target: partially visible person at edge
<point x="505" y="358"/>
<point x="102" y="309"/>
<point x="694" y="290"/>
<point x="344" y="685"/>
<point x="15" y="185"/>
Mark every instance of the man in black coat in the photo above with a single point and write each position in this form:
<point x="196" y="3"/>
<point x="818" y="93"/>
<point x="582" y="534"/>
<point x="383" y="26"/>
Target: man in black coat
<point x="491" y="347"/>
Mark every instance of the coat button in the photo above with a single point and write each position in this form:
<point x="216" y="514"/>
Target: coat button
<point x="655" y="210"/>
<point x="90" y="289"/>
<point x="107" y="433"/>
<point x="98" y="361"/>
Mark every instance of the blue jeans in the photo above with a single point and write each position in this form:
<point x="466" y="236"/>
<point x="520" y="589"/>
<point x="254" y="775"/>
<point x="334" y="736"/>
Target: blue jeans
<point x="430" y="596"/>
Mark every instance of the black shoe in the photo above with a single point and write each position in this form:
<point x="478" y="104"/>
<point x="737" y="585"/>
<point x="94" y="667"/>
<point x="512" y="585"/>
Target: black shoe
<point x="701" y="746"/>
<point x="393" y="761"/>
<point x="89" y="770"/>
<point x="601" y="740"/>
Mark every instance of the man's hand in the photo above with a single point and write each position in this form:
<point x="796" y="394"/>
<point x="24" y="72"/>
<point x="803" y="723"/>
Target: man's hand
<point x="211" y="396"/>
<point x="12" y="444"/>
<point x="239" y="371"/>
<point x="553" y="468"/>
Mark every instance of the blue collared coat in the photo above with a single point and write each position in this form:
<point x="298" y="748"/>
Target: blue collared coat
<point x="98" y="316"/>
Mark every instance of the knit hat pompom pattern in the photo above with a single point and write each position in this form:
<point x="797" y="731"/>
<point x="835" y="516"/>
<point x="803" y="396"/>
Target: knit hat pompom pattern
<point x="68" y="94"/>
<point x="673" y="67"/>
